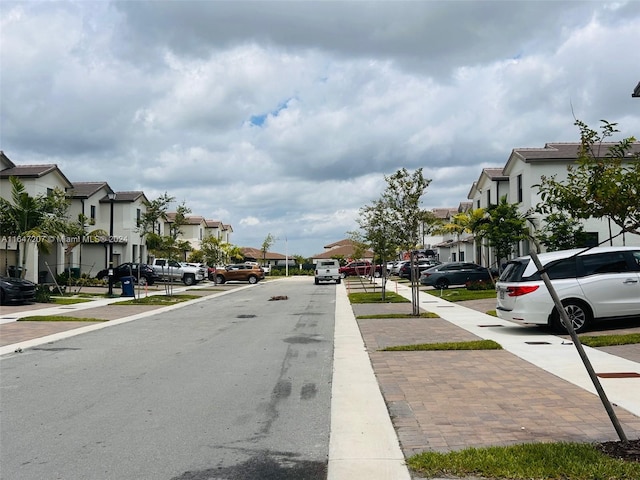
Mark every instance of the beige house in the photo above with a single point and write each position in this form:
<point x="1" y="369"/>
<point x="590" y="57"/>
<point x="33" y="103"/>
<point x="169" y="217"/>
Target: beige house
<point x="37" y="180"/>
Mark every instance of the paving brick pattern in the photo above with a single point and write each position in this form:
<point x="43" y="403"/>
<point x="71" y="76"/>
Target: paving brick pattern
<point x="450" y="400"/>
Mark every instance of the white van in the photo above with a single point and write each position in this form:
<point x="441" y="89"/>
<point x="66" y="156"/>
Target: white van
<point x="594" y="284"/>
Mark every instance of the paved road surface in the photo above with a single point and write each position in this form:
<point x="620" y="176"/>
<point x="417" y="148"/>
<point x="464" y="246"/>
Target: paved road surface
<point x="214" y="390"/>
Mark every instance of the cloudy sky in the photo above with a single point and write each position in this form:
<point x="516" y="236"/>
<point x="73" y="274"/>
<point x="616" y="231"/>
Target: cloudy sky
<point x="284" y="117"/>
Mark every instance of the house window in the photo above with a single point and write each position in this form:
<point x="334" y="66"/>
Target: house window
<point x="488" y="198"/>
<point x="453" y="256"/>
<point x="520" y="188"/>
<point x="462" y="256"/>
<point x="93" y="213"/>
<point x="477" y="203"/>
<point x="49" y="192"/>
<point x="138" y="216"/>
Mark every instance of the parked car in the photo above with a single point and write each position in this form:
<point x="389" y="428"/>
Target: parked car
<point x="454" y="273"/>
<point x="242" y="272"/>
<point x="597" y="284"/>
<point x="16" y="290"/>
<point x="147" y="275"/>
<point x="360" y="268"/>
<point x="395" y="270"/>
<point x="171" y="270"/>
<point x="405" y="269"/>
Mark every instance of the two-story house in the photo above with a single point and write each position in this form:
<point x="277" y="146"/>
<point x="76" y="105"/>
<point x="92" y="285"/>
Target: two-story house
<point x="518" y="181"/>
<point x="37" y="180"/>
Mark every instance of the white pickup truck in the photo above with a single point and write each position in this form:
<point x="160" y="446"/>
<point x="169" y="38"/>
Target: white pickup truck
<point x="171" y="270"/>
<point x="328" y="271"/>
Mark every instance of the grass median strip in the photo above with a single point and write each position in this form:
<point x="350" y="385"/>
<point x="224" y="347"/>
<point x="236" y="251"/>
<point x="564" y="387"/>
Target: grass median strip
<point x="399" y="315"/>
<point x="68" y="301"/>
<point x="158" y="300"/>
<point x="610" y="340"/>
<point x="58" y="318"/>
<point x="376" y="297"/>
<point x="462" y="294"/>
<point x="567" y="461"/>
<point x="472" y="345"/>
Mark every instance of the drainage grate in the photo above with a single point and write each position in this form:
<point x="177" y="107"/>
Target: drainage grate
<point x="487" y="326"/>
<point x="246" y="316"/>
<point x="537" y="343"/>
<point x="619" y="375"/>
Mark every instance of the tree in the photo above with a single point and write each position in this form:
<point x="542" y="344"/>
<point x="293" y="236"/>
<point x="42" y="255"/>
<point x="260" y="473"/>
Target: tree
<point x="266" y="245"/>
<point x="42" y="218"/>
<point x="605" y="183"/>
<point x="464" y="222"/>
<point x="156" y="211"/>
<point x="378" y="234"/>
<point x="401" y="200"/>
<point x="213" y="252"/>
<point x="503" y="226"/>
<point x="561" y="233"/>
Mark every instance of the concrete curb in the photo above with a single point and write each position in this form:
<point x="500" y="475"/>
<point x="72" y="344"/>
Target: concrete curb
<point x="363" y="441"/>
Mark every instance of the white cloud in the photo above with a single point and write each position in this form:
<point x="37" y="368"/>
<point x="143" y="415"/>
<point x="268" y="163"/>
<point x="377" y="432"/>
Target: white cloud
<point x="284" y="117"/>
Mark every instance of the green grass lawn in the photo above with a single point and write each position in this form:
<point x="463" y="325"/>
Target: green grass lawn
<point x="610" y="340"/>
<point x="376" y="297"/>
<point x="399" y="315"/>
<point x="461" y="294"/>
<point x="158" y="300"/>
<point x="68" y="300"/>
<point x="472" y="345"/>
<point x="540" y="461"/>
<point x="58" y="318"/>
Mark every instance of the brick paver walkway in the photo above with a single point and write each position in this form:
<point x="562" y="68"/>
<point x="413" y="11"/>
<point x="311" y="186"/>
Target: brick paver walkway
<point x="450" y="400"/>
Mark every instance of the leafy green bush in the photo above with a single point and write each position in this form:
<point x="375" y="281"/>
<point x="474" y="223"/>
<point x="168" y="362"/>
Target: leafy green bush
<point x="43" y="294"/>
<point x="481" y="285"/>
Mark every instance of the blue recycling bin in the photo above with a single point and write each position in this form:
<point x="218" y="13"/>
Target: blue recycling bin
<point x="127" y="286"/>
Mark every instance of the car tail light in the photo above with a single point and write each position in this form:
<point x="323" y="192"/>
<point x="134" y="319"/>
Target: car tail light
<point x="519" y="291"/>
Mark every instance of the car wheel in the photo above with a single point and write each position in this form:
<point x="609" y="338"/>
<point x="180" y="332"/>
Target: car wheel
<point x="442" y="284"/>
<point x="377" y="274"/>
<point x="338" y="282"/>
<point x="343" y="275"/>
<point x="189" y="280"/>
<point x="143" y="281"/>
<point x="317" y="281"/>
<point x="579" y="314"/>
<point x="253" y="279"/>
<point x="220" y="279"/>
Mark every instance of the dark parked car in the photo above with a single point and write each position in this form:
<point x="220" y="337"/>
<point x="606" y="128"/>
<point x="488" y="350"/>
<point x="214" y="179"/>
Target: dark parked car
<point x="147" y="275"/>
<point x="16" y="290"/>
<point x="454" y="273"/>
<point x="405" y="269"/>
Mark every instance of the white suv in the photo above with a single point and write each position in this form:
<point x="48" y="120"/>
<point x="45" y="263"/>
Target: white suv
<point x="600" y="283"/>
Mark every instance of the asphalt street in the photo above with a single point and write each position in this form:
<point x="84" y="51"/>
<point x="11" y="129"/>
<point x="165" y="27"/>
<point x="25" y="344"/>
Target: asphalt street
<point x="217" y="389"/>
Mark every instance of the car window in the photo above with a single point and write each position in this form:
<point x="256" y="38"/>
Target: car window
<point x="610" y="262"/>
<point x="513" y="271"/>
<point x="565" y="268"/>
<point x="636" y="259"/>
